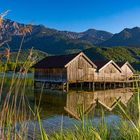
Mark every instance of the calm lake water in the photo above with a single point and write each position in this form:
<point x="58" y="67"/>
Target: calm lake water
<point x="57" y="107"/>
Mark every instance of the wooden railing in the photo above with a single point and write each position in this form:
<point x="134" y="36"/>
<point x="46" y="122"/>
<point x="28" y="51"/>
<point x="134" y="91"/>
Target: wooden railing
<point x="93" y="78"/>
<point x="113" y="79"/>
<point x="86" y="77"/>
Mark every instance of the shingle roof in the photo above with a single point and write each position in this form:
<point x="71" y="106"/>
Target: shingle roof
<point x="100" y="64"/>
<point x="120" y="64"/>
<point x="55" y="61"/>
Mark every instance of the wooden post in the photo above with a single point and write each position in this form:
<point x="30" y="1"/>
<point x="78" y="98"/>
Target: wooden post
<point x="114" y="85"/>
<point x="81" y="86"/>
<point x="104" y="85"/>
<point x="100" y="85"/>
<point x="89" y="86"/>
<point x="76" y="86"/>
<point x="67" y="87"/>
<point x="110" y="85"/>
<point x="119" y="84"/>
<point x="93" y="86"/>
<point x="123" y="85"/>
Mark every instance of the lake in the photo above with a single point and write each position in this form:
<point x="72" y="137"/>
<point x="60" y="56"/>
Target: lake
<point x="59" y="108"/>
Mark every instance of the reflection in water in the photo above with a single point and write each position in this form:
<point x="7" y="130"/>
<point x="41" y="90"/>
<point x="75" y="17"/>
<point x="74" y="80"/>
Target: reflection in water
<point x="108" y="99"/>
<point x="54" y="105"/>
<point x="77" y="102"/>
<point x="74" y="102"/>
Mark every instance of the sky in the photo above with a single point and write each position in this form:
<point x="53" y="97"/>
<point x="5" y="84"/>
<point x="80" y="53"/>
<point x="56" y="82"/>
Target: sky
<point x="75" y="15"/>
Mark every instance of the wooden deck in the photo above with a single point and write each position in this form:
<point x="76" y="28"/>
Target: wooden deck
<point x="93" y="83"/>
<point x="117" y="81"/>
<point x="97" y="79"/>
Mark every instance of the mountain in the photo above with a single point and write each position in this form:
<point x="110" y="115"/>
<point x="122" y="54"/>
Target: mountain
<point x="127" y="37"/>
<point x="53" y="41"/>
<point x="95" y="36"/>
<point x="49" y="40"/>
<point x="115" y="53"/>
<point x="118" y="54"/>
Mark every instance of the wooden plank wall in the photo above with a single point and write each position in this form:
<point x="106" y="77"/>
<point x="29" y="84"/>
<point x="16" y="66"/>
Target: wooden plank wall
<point x="80" y="70"/>
<point x="110" y="72"/>
<point x="52" y="74"/>
<point x="127" y="71"/>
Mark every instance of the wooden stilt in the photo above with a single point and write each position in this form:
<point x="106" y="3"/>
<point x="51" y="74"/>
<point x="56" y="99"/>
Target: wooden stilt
<point x="100" y="85"/>
<point x="104" y="85"/>
<point x="119" y="84"/>
<point x="93" y="86"/>
<point x="110" y="85"/>
<point x="67" y="87"/>
<point x="89" y="86"/>
<point x="81" y="86"/>
<point x="114" y="85"/>
<point x="76" y="86"/>
<point x="123" y="85"/>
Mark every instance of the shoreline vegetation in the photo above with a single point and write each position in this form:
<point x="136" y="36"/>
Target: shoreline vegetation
<point x="15" y="108"/>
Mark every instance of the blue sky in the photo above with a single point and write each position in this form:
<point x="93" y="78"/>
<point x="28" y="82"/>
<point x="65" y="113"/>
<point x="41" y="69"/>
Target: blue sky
<point x="75" y="15"/>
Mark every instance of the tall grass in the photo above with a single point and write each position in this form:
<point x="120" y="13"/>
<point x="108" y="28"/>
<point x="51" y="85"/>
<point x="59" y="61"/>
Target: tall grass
<point x="130" y="129"/>
<point x="13" y="102"/>
<point x="15" y="109"/>
<point x="127" y="129"/>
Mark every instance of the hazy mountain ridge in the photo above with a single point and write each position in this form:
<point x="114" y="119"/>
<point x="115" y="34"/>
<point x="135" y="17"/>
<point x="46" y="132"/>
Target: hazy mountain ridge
<point x="127" y="37"/>
<point x="55" y="42"/>
<point x="51" y="40"/>
<point x="95" y="36"/>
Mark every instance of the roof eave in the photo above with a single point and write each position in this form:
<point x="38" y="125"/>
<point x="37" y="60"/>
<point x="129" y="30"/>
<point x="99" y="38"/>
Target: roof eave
<point x="109" y="63"/>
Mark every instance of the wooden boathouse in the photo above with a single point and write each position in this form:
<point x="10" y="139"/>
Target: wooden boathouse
<point x="127" y="69"/>
<point x="107" y="71"/>
<point x="64" y="70"/>
<point x="58" y="72"/>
